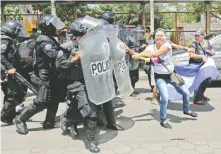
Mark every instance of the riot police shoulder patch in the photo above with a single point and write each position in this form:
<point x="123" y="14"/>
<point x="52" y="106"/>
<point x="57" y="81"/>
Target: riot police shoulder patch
<point x="3" y="46"/>
<point x="48" y="47"/>
<point x="60" y="53"/>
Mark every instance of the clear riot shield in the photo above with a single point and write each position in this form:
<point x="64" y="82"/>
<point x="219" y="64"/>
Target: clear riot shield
<point x="136" y="35"/>
<point x="121" y="71"/>
<point x="97" y="69"/>
<point x="92" y="23"/>
<point x="110" y="31"/>
<point x="122" y="34"/>
<point x="131" y="41"/>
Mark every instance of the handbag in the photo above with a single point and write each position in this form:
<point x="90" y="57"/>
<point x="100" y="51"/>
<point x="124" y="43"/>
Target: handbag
<point x="175" y="77"/>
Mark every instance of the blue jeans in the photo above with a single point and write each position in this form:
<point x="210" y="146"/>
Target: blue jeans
<point x="200" y="91"/>
<point x="162" y="88"/>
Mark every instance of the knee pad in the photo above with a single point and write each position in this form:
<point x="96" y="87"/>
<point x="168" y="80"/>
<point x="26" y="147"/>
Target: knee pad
<point x="87" y="112"/>
<point x="92" y="123"/>
<point x="44" y="94"/>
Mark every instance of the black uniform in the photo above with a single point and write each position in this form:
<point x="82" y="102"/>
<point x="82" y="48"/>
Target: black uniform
<point x="80" y="106"/>
<point x="12" y="89"/>
<point x="134" y="74"/>
<point x="76" y="87"/>
<point x="108" y="106"/>
<point x="136" y="46"/>
<point x="45" y="78"/>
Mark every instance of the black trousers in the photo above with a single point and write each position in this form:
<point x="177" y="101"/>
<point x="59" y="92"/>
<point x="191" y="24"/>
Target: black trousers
<point x="14" y="94"/>
<point x="134" y="76"/>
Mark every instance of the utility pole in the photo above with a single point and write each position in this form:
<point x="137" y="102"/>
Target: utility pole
<point x="75" y="10"/>
<point x="143" y="15"/>
<point x="53" y="7"/>
<point x="208" y="20"/>
<point x="151" y="16"/>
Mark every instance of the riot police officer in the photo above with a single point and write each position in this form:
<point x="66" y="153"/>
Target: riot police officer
<point x="45" y="75"/>
<point x="76" y="87"/>
<point x="136" y="42"/>
<point x="108" y="106"/>
<point x="12" y="90"/>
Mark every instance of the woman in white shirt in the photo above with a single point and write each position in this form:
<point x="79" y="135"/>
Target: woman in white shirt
<point x="161" y="52"/>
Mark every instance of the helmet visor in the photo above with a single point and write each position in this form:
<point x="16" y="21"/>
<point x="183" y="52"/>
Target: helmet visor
<point x="56" y="22"/>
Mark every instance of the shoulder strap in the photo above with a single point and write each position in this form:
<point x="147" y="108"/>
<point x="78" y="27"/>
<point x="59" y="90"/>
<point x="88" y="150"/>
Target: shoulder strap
<point x="164" y="65"/>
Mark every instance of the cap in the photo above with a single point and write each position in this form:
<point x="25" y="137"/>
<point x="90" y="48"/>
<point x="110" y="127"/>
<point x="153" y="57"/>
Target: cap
<point x="199" y="32"/>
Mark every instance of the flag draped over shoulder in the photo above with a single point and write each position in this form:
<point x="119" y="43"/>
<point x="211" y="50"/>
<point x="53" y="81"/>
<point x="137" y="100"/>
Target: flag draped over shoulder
<point x="194" y="75"/>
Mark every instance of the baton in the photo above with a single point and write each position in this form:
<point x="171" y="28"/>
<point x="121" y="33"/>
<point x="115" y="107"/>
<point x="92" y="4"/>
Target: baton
<point x="20" y="78"/>
<point x="145" y="59"/>
<point x="24" y="82"/>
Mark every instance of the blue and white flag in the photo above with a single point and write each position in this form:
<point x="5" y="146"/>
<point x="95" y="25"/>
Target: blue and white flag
<point x="194" y="75"/>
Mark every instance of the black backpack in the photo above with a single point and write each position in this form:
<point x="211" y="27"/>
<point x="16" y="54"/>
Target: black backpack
<point x="25" y="51"/>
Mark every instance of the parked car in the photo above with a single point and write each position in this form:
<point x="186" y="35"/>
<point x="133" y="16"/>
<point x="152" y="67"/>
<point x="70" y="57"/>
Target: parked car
<point x="211" y="35"/>
<point x="181" y="56"/>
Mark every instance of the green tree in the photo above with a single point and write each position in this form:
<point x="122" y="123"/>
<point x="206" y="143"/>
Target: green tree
<point x="12" y="12"/>
<point x="126" y="13"/>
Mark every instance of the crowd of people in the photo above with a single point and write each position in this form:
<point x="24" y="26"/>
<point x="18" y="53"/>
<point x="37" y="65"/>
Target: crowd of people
<point x="99" y="60"/>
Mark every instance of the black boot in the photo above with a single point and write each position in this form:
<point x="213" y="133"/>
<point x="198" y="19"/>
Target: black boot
<point x="115" y="126"/>
<point x="7" y="119"/>
<point x="48" y="125"/>
<point x="50" y="116"/>
<point x="26" y="114"/>
<point x="90" y="137"/>
<point x="109" y="115"/>
<point x="74" y="131"/>
<point x="8" y="113"/>
<point x="21" y="127"/>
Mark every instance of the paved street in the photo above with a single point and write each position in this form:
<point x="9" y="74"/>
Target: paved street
<point x="142" y="135"/>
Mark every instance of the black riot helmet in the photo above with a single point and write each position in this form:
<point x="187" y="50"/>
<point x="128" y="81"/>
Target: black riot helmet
<point x="140" y="32"/>
<point x="48" y="24"/>
<point x="14" y="29"/>
<point x="140" y="27"/>
<point x="77" y="28"/>
<point x="108" y="16"/>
